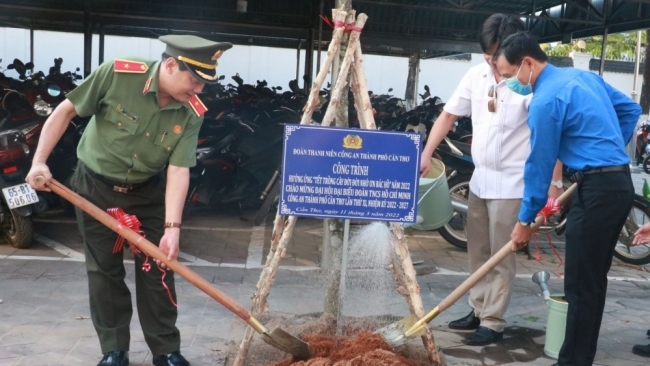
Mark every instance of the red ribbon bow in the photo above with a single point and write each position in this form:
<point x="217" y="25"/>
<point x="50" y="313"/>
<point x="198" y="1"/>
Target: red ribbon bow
<point x="132" y="222"/>
<point x="348" y="27"/>
<point x="552" y="207"/>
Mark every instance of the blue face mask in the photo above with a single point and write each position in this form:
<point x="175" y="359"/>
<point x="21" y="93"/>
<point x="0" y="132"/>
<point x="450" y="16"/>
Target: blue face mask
<point x="517" y="86"/>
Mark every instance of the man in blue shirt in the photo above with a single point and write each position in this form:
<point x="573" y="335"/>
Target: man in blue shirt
<point x="581" y="120"/>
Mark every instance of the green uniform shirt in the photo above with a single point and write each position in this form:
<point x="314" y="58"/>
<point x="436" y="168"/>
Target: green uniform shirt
<point x="130" y="138"/>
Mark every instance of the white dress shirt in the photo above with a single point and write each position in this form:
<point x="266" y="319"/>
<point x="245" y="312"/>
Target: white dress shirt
<point x="501" y="140"/>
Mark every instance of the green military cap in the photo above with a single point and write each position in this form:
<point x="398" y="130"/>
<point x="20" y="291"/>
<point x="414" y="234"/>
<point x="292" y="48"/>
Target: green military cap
<point x="198" y="54"/>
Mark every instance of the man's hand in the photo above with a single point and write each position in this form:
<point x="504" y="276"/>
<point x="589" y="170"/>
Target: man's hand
<point x="425" y="166"/>
<point x="642" y="236"/>
<point x="39" y="169"/>
<point x="169" y="245"/>
<point x="520" y="236"/>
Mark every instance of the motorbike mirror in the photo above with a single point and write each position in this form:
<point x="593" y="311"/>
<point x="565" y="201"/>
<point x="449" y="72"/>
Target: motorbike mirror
<point x="78" y="69"/>
<point x="390" y="90"/>
<point x="222" y="77"/>
<point x="29" y="65"/>
<point x="53" y="90"/>
<point x="10" y="66"/>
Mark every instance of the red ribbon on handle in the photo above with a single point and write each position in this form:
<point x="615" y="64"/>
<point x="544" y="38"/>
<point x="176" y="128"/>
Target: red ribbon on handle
<point x="551" y="208"/>
<point x="132" y="222"/>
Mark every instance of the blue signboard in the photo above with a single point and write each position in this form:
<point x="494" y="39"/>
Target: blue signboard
<point x="350" y="173"/>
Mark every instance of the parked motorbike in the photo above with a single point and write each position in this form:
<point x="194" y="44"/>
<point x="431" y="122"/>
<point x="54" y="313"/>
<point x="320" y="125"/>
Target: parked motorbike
<point x="26" y="104"/>
<point x="239" y="148"/>
<point x="18" y="197"/>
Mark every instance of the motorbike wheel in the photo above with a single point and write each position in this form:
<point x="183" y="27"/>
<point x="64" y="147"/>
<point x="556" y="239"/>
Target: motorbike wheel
<point x="639" y="254"/>
<point x="20" y="233"/>
<point x="270" y="199"/>
<point x="454" y="231"/>
<point x="646" y="164"/>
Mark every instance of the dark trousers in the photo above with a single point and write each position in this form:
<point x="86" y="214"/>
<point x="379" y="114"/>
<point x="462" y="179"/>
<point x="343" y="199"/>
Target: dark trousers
<point x="110" y="298"/>
<point x="598" y="211"/>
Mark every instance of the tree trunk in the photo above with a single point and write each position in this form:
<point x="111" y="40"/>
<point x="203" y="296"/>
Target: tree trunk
<point x="412" y="82"/>
<point x="645" y="88"/>
<point x="332" y="297"/>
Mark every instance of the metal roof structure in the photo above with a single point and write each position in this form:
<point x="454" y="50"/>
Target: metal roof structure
<point x="395" y="27"/>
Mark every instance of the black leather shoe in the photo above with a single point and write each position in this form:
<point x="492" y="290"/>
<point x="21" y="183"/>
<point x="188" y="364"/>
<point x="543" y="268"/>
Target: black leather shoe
<point x="115" y="358"/>
<point x="641" y="350"/>
<point x="468" y="322"/>
<point x="483" y="336"/>
<point x="172" y="359"/>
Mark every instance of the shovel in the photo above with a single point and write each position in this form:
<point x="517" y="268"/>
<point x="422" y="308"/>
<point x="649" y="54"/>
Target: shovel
<point x="399" y="332"/>
<point x="278" y="338"/>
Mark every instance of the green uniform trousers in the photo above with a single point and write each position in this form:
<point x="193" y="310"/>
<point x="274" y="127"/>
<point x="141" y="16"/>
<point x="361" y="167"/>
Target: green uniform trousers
<point x="110" y="298"/>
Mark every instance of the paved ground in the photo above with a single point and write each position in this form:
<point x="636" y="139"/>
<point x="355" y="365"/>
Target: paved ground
<point x="44" y="310"/>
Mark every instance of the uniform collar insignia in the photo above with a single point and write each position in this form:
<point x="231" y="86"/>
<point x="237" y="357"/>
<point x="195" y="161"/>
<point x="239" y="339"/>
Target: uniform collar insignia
<point x="146" y="86"/>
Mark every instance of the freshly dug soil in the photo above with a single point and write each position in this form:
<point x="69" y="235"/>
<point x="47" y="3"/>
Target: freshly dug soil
<point x="358" y="346"/>
<point x="363" y="349"/>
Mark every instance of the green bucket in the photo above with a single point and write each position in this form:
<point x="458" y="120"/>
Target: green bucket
<point x="435" y="208"/>
<point x="555" y="325"/>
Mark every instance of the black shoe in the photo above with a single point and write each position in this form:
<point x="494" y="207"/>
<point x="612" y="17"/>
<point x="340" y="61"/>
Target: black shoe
<point x="468" y="322"/>
<point x="483" y="336"/>
<point x="641" y="350"/>
<point x="172" y="359"/>
<point x="115" y="358"/>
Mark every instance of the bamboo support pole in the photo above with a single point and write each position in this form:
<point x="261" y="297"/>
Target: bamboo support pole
<point x="332" y="51"/>
<point x="283" y="228"/>
<point x="360" y="77"/>
<point x="345" y="69"/>
<point x="358" y="103"/>
<point x="262" y="290"/>
<point x="404" y="270"/>
<point x="405" y="273"/>
<point x="403" y="265"/>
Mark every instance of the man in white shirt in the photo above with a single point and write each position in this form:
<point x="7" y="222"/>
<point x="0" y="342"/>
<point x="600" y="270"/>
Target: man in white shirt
<point x="500" y="146"/>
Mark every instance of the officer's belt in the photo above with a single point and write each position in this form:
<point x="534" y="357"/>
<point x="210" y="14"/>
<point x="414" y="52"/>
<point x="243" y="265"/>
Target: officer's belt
<point x="118" y="186"/>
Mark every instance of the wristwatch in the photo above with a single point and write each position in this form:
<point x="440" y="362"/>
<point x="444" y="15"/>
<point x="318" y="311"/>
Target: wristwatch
<point x="558" y="184"/>
<point x="172" y="224"/>
<point x="524" y="224"/>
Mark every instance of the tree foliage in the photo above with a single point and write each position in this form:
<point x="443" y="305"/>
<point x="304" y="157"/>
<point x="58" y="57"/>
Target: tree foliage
<point x="619" y="45"/>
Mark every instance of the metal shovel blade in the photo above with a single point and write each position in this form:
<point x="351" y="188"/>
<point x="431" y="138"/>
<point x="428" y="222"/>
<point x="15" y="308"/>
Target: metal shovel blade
<point x="285" y="342"/>
<point x="393" y="333"/>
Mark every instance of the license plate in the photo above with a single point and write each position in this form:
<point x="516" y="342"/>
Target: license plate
<point x="20" y="195"/>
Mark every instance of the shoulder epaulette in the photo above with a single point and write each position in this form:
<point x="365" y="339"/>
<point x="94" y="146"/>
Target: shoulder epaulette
<point x="197" y="106"/>
<point x="134" y="67"/>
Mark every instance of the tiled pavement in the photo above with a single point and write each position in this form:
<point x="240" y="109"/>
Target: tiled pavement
<point x="44" y="310"/>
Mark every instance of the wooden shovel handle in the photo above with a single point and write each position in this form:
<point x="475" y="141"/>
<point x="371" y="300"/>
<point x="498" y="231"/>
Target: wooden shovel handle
<point x="472" y="280"/>
<point x="148" y="248"/>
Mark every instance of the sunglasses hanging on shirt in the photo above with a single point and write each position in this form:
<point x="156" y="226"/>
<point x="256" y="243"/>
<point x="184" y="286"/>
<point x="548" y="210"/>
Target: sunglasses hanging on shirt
<point x="492" y="103"/>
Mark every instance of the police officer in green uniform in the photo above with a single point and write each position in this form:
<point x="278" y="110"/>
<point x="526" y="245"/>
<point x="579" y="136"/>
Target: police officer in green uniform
<point x="135" y="154"/>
